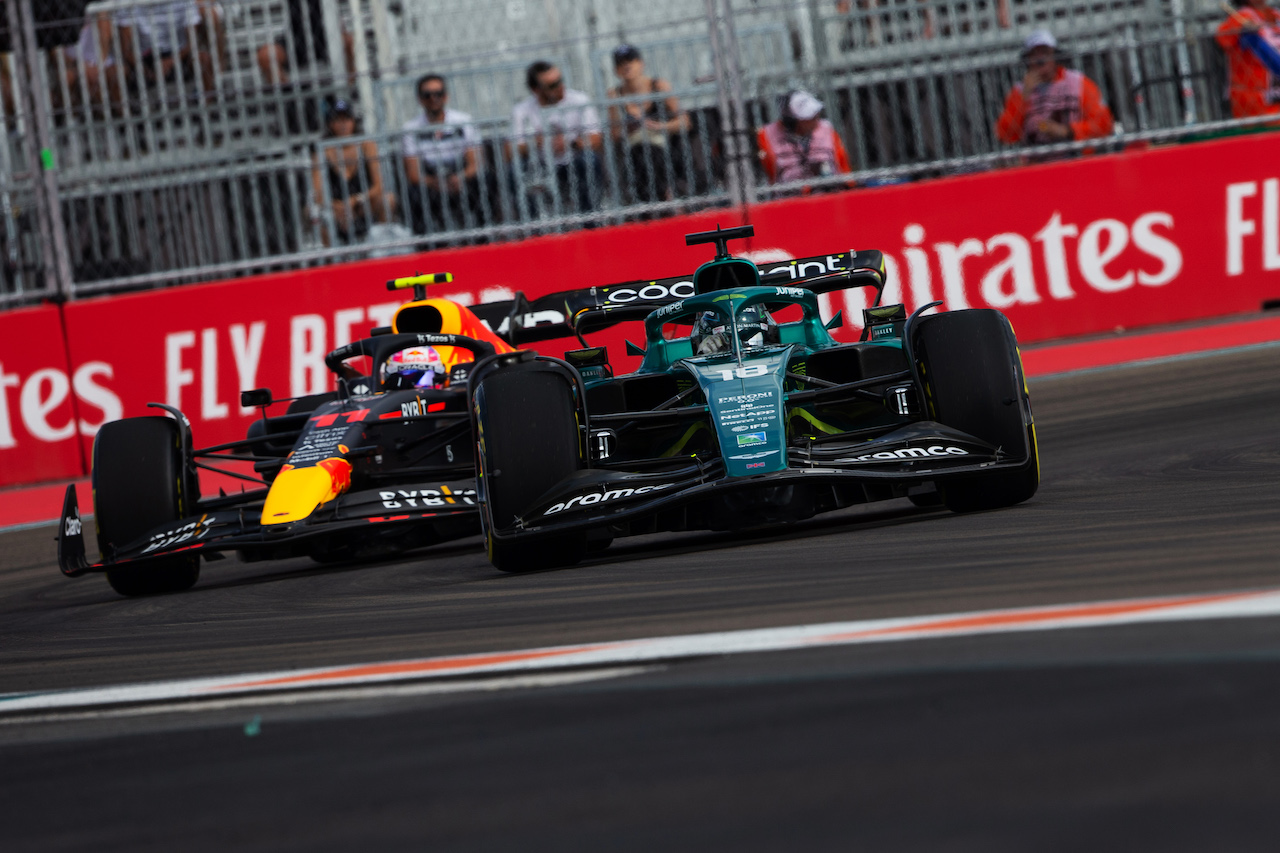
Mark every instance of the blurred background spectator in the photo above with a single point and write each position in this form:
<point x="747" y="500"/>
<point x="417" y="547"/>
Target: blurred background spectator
<point x="800" y="144"/>
<point x="297" y="64"/>
<point x="558" y="127"/>
<point x="166" y="42"/>
<point x="1053" y="103"/>
<point x="1250" y="37"/>
<point x="441" y="160"/>
<point x="90" y="67"/>
<point x="645" y="127"/>
<point x="305" y="33"/>
<point x="351" y="174"/>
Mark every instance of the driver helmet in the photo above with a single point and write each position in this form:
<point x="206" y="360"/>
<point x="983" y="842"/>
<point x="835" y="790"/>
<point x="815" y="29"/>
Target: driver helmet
<point x="757" y="328"/>
<point x="416" y="367"/>
<point x="708" y="336"/>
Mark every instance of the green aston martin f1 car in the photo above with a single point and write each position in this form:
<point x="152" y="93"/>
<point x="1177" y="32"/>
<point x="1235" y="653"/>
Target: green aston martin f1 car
<point x="746" y="412"/>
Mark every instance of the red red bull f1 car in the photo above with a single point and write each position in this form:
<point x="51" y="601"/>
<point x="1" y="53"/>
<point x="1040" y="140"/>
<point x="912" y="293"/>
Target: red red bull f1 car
<point x="380" y="465"/>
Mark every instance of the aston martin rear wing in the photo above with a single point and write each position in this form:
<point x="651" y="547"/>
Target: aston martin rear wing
<point x="524" y="321"/>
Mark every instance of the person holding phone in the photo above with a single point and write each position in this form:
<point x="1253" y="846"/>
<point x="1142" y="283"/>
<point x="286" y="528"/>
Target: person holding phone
<point x="1053" y="103"/>
<point x="800" y="144"/>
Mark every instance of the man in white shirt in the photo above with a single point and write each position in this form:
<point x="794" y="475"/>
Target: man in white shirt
<point x="441" y="159"/>
<point x="560" y="127"/>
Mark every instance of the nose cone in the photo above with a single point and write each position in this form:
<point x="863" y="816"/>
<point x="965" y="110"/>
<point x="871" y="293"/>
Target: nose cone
<point x="297" y="492"/>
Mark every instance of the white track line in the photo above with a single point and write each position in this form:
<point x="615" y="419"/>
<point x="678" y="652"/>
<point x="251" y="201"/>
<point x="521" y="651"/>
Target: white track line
<point x="339" y="694"/>
<point x="1227" y="605"/>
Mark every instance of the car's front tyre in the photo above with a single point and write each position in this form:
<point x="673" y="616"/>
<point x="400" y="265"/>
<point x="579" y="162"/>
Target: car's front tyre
<point x="973" y="375"/>
<point x="528" y="443"/>
<point x="139" y="483"/>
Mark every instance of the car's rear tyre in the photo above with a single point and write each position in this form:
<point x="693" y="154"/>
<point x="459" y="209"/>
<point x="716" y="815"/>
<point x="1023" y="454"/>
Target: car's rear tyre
<point x="974" y="378"/>
<point x="139" y="484"/>
<point x="530" y="442"/>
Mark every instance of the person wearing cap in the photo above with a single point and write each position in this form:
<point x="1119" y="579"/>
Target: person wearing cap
<point x="644" y="123"/>
<point x="353" y="173"/>
<point x="558" y="124"/>
<point x="441" y="158"/>
<point x="1053" y="103"/>
<point x="1250" y="37"/>
<point x="800" y="144"/>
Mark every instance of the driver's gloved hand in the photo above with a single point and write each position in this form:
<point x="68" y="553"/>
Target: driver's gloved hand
<point x="712" y="344"/>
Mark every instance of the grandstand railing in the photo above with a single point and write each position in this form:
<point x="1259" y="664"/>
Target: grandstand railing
<point x="207" y="171"/>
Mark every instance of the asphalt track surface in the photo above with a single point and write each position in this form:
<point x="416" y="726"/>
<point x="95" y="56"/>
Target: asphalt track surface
<point x="1157" y="480"/>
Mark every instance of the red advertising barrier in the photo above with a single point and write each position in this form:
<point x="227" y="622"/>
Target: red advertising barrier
<point x="44" y="406"/>
<point x="1067" y="248"/>
<point x="1064" y="249"/>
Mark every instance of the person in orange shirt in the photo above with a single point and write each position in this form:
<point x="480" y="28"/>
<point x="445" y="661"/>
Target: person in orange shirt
<point x="800" y="144"/>
<point x="1254" y="89"/>
<point x="1053" y="104"/>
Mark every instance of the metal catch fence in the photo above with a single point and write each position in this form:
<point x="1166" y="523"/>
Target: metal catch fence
<point x="155" y="142"/>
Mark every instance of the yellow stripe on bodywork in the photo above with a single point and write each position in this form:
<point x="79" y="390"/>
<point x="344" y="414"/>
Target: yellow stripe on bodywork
<point x="684" y="439"/>
<point x="821" y="425"/>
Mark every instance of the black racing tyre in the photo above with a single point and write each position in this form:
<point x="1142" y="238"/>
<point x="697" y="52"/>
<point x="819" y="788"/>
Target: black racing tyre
<point x="139" y="484"/>
<point x="973" y="374"/>
<point x="529" y="429"/>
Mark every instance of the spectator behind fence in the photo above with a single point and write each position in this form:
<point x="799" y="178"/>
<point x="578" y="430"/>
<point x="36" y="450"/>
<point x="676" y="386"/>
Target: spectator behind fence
<point x="1251" y="40"/>
<point x="559" y="125"/>
<point x="1053" y="103"/>
<point x="800" y="144"/>
<point x="90" y="65"/>
<point x="156" y="42"/>
<point x="353" y="173"/>
<point x="441" y="159"/>
<point x="645" y="127"/>
<point x="305" y="31"/>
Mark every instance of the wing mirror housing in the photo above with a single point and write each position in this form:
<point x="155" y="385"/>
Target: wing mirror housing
<point x="258" y="398"/>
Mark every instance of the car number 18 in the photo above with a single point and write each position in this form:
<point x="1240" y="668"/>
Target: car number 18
<point x="744" y="372"/>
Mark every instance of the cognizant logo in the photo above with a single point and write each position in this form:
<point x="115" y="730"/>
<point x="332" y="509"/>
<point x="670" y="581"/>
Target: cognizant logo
<point x="653" y="291"/>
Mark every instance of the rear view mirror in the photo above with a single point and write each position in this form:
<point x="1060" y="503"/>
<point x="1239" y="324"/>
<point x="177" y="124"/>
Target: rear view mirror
<point x="255" y="399"/>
